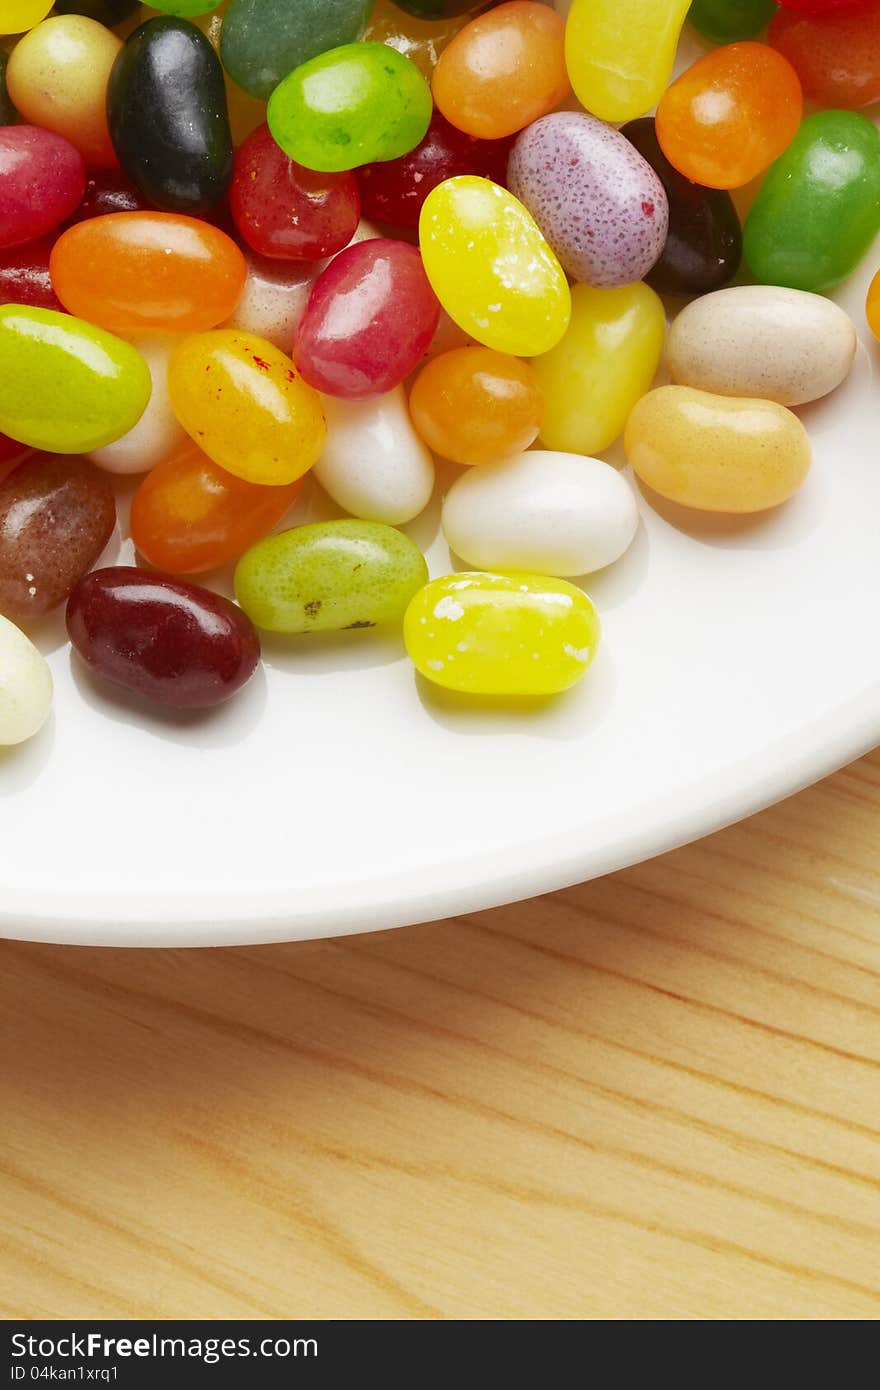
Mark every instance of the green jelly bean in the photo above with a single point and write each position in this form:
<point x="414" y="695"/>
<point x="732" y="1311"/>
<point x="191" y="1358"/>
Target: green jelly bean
<point x="67" y="386"/>
<point x="729" y="21"/>
<point x="263" y="40"/>
<point x="329" y="576"/>
<point x="185" y="9"/>
<point x="818" y="210"/>
<point x="8" y="113"/>
<point x="356" y="105"/>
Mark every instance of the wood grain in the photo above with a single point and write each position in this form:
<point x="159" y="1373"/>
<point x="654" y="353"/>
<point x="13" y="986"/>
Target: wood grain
<point x="654" y="1096"/>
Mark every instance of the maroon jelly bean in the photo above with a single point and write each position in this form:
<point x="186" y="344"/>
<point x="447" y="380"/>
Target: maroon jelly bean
<point x="172" y="642"/>
<point x="24" y="275"/>
<point x="109" y="190"/>
<point x="11" y="450"/>
<point x="286" y="211"/>
<point x="394" y="192"/>
<point x="57" y="512"/>
<point x="42" y="180"/>
<point x="369" y="320"/>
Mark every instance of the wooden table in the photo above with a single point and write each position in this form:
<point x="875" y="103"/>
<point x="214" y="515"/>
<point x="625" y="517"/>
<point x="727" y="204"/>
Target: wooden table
<point x="654" y="1096"/>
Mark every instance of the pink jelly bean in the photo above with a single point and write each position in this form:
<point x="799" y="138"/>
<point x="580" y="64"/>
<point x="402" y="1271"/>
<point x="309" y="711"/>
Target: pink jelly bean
<point x="42" y="180"/>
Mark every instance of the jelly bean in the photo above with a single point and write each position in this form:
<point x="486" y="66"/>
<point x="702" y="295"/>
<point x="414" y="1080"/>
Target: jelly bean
<point x="189" y="515"/>
<point x="501" y="634"/>
<point x="57" y="77"/>
<point x="11" y="452"/>
<point x="605" y="362"/>
<point x="186" y="9"/>
<point x="620" y="53"/>
<point x="25" y="686"/>
<point x="369" y="320"/>
<point x="872" y="306"/>
<point x="759" y="340"/>
<point x="545" y="513"/>
<point x="284" y="210"/>
<point x="8" y="113"/>
<point x="491" y="268"/>
<point x="109" y="190"/>
<point x="24" y="275"/>
<point x="354" y="105"/>
<point x="158" y="431"/>
<point x="65" y="385"/>
<point x="438" y="9"/>
<point x="717" y="453"/>
<point x="473" y="405"/>
<point x="420" y="40"/>
<point x="107" y="12"/>
<point x="274" y="299"/>
<point x="162" y="638"/>
<point x="703" y="247"/>
<point x="818" y="209"/>
<point x="835" y="55"/>
<point x="264" y="40"/>
<point x="374" y="465"/>
<point x="599" y="204"/>
<point x="503" y="70"/>
<point x="730" y="115"/>
<point x="166" y="105"/>
<point x="395" y="191"/>
<point x="56" y="515"/>
<point x="243" y="402"/>
<point x="136" y="271"/>
<point x="42" y="179"/>
<point x="330" y="576"/>
<point x="729" y="21"/>
<point x="16" y="16"/>
<point x="816" y="6"/>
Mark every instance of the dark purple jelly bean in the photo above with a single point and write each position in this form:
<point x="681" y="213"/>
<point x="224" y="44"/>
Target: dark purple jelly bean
<point x="172" y="642"/>
<point x="57" y="512"/>
<point x="24" y="275"/>
<point x="42" y="179"/>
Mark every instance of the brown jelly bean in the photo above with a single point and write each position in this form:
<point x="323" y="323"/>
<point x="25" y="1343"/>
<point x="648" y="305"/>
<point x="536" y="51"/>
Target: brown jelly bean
<point x="57" y="513"/>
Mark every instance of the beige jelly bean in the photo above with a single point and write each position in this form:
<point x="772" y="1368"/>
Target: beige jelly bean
<point x="717" y="453"/>
<point x="761" y="340"/>
<point x="25" y="686"/>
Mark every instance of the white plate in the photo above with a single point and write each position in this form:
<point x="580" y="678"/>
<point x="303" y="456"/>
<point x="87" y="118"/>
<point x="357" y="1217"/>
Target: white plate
<point x="339" y="794"/>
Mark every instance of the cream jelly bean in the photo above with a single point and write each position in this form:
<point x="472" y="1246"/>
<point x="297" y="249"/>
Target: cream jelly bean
<point x="501" y="634"/>
<point x="374" y="464"/>
<point x="543" y="512"/>
<point x="25" y="686"/>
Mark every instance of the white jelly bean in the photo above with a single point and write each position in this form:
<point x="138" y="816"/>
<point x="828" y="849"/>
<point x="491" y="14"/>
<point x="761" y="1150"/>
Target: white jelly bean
<point x="783" y="345"/>
<point x="545" y="512"/>
<point x="25" y="686"/>
<point x="374" y="464"/>
<point x="157" y="433"/>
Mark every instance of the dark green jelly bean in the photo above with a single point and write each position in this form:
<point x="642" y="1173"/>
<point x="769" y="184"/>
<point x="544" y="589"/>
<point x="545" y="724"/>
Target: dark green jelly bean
<point x="703" y="247"/>
<point x="263" y="40"/>
<point x="818" y="209"/>
<point x="107" y="12"/>
<point x="729" y="21"/>
<point x="166" y="105"/>
<point x="8" y="113"/>
<point x="440" y="9"/>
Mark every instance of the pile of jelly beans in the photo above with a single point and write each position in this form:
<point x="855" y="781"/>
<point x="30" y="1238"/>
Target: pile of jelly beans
<point x="244" y="241"/>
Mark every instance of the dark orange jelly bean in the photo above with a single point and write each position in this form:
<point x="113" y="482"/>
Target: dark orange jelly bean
<point x="189" y="515"/>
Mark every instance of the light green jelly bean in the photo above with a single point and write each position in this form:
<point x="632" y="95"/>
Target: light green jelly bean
<point x="355" y="105"/>
<point x="329" y="576"/>
<point x="67" y="386"/>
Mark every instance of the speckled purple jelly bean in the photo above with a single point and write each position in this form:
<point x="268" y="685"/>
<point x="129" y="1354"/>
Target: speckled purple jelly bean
<point x="599" y="204"/>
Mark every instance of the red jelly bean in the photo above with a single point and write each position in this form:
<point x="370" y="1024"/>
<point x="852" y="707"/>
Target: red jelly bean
<point x="286" y="211"/>
<point x="836" y="54"/>
<point x="42" y="179"/>
<point x="11" y="452"/>
<point x="369" y="320"/>
<point x="57" y="512"/>
<point x="24" y="275"/>
<point x="109" y="190"/>
<point x="816" y="6"/>
<point x="394" y="192"/>
<point x="163" y="638"/>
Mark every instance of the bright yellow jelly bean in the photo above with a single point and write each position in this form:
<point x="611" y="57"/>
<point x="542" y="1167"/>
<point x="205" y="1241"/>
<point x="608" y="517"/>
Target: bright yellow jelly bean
<point x="17" y="16"/>
<point x="717" y="453"/>
<point x="244" y="403"/>
<point x="501" y="634"/>
<point x="605" y="362"/>
<point x="620" y="53"/>
<point x="492" y="269"/>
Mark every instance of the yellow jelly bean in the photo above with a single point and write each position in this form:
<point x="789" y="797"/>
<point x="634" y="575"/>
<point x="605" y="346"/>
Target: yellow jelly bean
<point x="620" y="53"/>
<point x="492" y="269"/>
<point x="717" y="453"/>
<point x="606" y="361"/>
<point x="501" y="634"/>
<point x="17" y="16"/>
<point x="244" y="403"/>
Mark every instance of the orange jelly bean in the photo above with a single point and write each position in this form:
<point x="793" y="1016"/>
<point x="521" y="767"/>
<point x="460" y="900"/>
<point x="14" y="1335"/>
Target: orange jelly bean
<point x="474" y="405"/>
<point x="727" y="118"/>
<point x="132" y="272"/>
<point x="189" y="515"/>
<point x="503" y="70"/>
